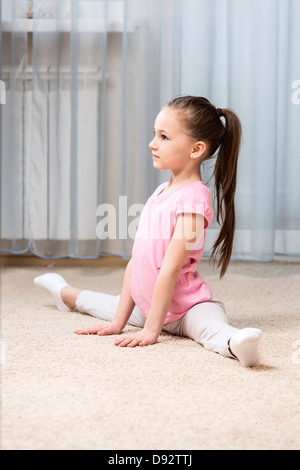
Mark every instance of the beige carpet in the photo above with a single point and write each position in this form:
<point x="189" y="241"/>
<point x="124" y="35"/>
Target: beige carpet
<point x="62" y="391"/>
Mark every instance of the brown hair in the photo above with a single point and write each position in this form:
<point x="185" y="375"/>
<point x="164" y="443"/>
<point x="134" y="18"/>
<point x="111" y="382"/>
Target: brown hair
<point x="203" y="122"/>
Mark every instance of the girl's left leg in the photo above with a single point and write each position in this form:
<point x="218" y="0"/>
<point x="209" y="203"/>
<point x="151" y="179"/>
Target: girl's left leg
<point x="54" y="283"/>
<point x="96" y="304"/>
<point x="207" y="324"/>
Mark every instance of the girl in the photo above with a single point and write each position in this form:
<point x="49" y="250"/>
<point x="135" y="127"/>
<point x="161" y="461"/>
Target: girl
<point x="162" y="290"/>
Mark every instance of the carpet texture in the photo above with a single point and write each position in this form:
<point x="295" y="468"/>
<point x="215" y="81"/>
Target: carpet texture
<point x="63" y="391"/>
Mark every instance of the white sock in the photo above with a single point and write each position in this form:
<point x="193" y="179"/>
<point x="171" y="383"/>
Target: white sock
<point x="244" y="345"/>
<point x="54" y="283"/>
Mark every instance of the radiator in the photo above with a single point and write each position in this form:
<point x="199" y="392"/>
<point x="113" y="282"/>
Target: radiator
<point x="38" y="138"/>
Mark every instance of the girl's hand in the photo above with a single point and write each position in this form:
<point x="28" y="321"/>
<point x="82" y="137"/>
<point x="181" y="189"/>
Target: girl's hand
<point x="142" y="338"/>
<point x="101" y="330"/>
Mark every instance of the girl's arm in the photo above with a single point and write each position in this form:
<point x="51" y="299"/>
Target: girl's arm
<point x="124" y="310"/>
<point x="187" y="230"/>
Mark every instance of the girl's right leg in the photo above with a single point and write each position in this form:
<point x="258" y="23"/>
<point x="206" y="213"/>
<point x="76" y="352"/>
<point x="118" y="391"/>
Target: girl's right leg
<point x="207" y="324"/>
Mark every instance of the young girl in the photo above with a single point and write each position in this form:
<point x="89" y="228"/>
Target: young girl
<point x="162" y="290"/>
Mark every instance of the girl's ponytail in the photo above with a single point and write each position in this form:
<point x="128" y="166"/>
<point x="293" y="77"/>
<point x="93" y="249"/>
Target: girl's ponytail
<point x="225" y="175"/>
<point x="202" y="121"/>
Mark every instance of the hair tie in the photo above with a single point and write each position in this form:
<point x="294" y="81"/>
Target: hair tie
<point x="220" y="112"/>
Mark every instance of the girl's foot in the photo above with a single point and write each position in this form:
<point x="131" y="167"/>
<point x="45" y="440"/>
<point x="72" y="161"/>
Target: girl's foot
<point x="244" y="346"/>
<point x="53" y="283"/>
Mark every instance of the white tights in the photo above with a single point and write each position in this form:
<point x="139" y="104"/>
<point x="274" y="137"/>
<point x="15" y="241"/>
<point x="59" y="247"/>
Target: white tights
<point x="206" y="323"/>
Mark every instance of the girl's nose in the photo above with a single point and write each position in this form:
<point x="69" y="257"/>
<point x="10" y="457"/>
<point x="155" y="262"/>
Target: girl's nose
<point x="152" y="144"/>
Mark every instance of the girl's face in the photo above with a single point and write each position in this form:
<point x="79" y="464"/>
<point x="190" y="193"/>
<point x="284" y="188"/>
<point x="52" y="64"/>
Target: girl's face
<point x="171" y="146"/>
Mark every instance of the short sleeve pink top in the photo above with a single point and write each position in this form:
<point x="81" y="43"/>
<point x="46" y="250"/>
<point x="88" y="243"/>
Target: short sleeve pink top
<point x="155" y="229"/>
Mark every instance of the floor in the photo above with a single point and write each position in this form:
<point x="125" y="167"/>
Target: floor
<point x="63" y="391"/>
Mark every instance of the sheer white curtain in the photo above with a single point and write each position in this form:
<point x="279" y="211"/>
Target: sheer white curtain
<point x="84" y="81"/>
<point x="247" y="58"/>
<point x="82" y="93"/>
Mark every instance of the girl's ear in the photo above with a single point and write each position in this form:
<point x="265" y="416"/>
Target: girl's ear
<point x="198" y="150"/>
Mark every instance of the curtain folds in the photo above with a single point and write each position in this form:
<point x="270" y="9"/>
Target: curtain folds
<point x="84" y="81"/>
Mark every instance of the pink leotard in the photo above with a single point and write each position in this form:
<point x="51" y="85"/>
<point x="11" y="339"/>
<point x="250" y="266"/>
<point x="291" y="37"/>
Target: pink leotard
<point x="153" y="235"/>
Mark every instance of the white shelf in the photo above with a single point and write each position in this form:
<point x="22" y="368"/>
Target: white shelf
<point x="92" y="17"/>
<point x="52" y="25"/>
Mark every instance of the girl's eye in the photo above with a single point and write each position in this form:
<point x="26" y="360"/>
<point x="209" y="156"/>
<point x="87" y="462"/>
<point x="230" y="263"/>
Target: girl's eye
<point x="164" y="137"/>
